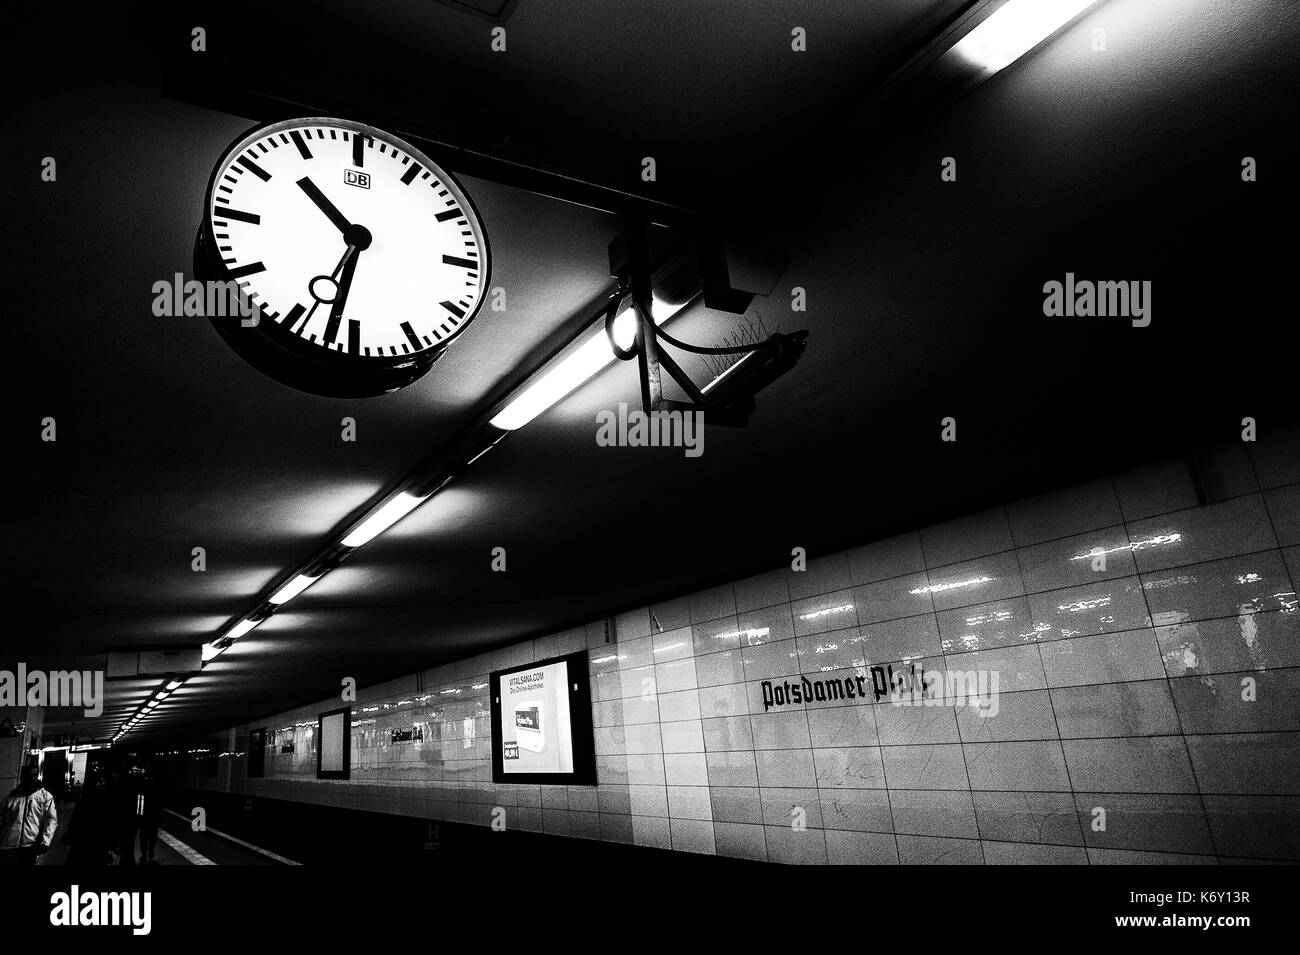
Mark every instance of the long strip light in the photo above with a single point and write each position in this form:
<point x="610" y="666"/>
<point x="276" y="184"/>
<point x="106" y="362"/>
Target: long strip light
<point x="241" y="628"/>
<point x="293" y="588"/>
<point x="217" y="647"/>
<point x="575" y="368"/>
<point x="1014" y="29"/>
<point x="382" y="519"/>
<point x="214" y="649"/>
<point x="150" y="706"/>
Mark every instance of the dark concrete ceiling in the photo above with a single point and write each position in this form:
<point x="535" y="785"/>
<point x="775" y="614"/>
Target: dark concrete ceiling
<point x="924" y="301"/>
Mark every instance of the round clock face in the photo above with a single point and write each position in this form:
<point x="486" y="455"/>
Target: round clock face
<point x="364" y="258"/>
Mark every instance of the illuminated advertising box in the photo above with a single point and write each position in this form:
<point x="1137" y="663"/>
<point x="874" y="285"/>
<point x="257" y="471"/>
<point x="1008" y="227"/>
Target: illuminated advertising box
<point x="541" y="723"/>
<point x="334" y="744"/>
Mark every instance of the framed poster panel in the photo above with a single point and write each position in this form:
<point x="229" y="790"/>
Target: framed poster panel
<point x="541" y="723"/>
<point x="334" y="744"/>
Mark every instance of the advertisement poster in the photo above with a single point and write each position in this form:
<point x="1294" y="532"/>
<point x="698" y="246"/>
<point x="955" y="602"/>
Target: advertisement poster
<point x="536" y="734"/>
<point x="332" y="754"/>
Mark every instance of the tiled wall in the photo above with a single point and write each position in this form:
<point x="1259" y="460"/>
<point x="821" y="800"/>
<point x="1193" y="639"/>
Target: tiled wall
<point x="1124" y="694"/>
<point x="13" y="749"/>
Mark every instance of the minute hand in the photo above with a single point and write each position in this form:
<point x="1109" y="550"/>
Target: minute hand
<point x="315" y="195"/>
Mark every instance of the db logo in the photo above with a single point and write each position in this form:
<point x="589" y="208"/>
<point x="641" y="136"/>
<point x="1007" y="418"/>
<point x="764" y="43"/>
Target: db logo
<point x="352" y="177"/>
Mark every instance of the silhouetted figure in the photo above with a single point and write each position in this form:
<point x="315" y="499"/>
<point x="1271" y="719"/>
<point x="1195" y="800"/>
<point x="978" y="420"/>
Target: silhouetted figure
<point x="150" y="814"/>
<point x="90" y="830"/>
<point x="27" y="821"/>
<point x="120" y="819"/>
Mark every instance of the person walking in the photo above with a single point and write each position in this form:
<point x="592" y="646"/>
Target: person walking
<point x="150" y="814"/>
<point x="27" y="821"/>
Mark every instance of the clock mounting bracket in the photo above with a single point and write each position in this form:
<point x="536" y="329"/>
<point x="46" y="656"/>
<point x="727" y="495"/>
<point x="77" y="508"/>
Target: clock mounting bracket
<point x="729" y="399"/>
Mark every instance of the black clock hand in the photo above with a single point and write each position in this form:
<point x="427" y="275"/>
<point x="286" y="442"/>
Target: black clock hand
<point x="343" y="264"/>
<point x="332" y="278"/>
<point x="358" y="238"/>
<point x="315" y="195"/>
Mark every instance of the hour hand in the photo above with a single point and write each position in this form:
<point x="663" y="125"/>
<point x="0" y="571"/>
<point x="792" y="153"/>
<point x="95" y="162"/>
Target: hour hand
<point x="315" y="195"/>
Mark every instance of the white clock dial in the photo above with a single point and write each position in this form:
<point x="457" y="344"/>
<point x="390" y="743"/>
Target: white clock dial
<point x="348" y="238"/>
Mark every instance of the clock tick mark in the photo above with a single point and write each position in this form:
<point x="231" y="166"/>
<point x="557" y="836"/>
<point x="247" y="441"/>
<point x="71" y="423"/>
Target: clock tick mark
<point x="250" y="217"/>
<point x="254" y="168"/>
<point x="294" y="314"/>
<point x="301" y="144"/>
<point x="410" y="334"/>
<point x="252" y="268"/>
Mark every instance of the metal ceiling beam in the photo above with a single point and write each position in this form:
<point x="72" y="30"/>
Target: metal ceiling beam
<point x="486" y="159"/>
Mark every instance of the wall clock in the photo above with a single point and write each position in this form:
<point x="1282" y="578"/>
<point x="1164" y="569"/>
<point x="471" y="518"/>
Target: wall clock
<point x="365" y="259"/>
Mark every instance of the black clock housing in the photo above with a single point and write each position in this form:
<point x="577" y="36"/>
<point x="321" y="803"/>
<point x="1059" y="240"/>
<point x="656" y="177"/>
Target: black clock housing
<point x="286" y="357"/>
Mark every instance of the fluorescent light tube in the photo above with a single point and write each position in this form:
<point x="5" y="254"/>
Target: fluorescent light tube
<point x="727" y="371"/>
<point x="211" y="651"/>
<point x="175" y="685"/>
<point x="382" y="519"/>
<point x="292" y="589"/>
<point x="1014" y="29"/>
<point x="575" y="369"/>
<point x="241" y="628"/>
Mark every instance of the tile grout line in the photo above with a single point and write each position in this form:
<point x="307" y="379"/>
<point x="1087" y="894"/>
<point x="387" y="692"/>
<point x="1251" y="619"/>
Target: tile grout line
<point x="1205" y="816"/>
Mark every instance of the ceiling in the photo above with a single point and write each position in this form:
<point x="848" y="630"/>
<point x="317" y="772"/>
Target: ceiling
<point x="924" y="301"/>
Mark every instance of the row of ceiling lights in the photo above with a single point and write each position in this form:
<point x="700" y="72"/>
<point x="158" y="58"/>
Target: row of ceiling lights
<point x="573" y="367"/>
